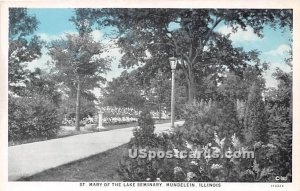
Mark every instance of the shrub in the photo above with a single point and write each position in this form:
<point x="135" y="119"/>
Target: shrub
<point x="280" y="121"/>
<point x="280" y="135"/>
<point x="144" y="135"/>
<point x="34" y="117"/>
<point x="255" y="128"/>
<point x="67" y="109"/>
<point x="202" y="119"/>
<point x="142" y="169"/>
<point x="231" y="169"/>
<point x="197" y="134"/>
<point x="202" y="169"/>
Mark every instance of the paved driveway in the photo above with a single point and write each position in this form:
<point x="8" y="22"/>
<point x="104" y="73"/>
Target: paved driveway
<point x="28" y="159"/>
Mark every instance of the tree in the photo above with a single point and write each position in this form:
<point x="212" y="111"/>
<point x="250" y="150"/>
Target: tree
<point x="280" y="119"/>
<point x="282" y="95"/>
<point x="160" y="91"/>
<point x="124" y="91"/>
<point x="22" y="48"/>
<point x="34" y="112"/>
<point x="68" y="109"/>
<point x="255" y="127"/>
<point x="78" y="63"/>
<point x="42" y="83"/>
<point x="237" y="87"/>
<point x="194" y="40"/>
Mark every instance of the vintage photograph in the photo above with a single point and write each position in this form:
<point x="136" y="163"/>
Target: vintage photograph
<point x="176" y="95"/>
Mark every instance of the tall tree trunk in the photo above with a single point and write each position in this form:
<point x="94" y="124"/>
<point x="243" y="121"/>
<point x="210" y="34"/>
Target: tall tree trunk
<point x="77" y="122"/>
<point x="191" y="95"/>
<point x="191" y="88"/>
<point x="159" y="111"/>
<point x="188" y="72"/>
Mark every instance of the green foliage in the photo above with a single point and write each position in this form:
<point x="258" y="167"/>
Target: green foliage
<point x="146" y="122"/>
<point x="134" y="90"/>
<point x="158" y="96"/>
<point x="82" y="21"/>
<point x="202" y="50"/>
<point x="79" y="65"/>
<point x="209" y="168"/>
<point x="42" y="83"/>
<point x="34" y="114"/>
<point x="211" y="68"/>
<point x="201" y="133"/>
<point x="237" y="85"/>
<point x="280" y="135"/>
<point x="283" y="95"/>
<point x="141" y="169"/>
<point x="22" y="49"/>
<point x="202" y="169"/>
<point x="77" y="59"/>
<point x="32" y="117"/>
<point x="124" y="91"/>
<point x="280" y="121"/>
<point x="202" y="119"/>
<point x="20" y="23"/>
<point x="144" y="133"/>
<point x="199" y="123"/>
<point x="67" y="108"/>
<point x="255" y="127"/>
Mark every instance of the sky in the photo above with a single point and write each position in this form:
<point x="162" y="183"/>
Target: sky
<point x="274" y="46"/>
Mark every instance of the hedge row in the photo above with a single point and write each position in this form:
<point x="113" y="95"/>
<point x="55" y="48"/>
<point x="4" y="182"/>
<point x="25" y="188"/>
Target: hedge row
<point x="32" y="117"/>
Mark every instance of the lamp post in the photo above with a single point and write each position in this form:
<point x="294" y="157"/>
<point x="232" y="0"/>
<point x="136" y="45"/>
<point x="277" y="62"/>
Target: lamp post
<point x="173" y="63"/>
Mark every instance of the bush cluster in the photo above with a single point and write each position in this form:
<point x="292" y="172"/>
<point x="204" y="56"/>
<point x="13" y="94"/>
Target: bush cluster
<point x="205" y="129"/>
<point x="32" y="117"/>
<point x="137" y="169"/>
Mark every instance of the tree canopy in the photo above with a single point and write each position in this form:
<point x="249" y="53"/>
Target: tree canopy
<point x="151" y="36"/>
<point x="23" y="47"/>
<point x="79" y="64"/>
<point x="124" y="91"/>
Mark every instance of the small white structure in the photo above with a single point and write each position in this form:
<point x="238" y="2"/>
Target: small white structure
<point x="100" y="120"/>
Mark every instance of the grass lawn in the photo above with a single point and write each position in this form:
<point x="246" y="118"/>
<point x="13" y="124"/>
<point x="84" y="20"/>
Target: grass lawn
<point x="101" y="167"/>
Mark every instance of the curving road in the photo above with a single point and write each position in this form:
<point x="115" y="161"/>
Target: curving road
<point x="28" y="159"/>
